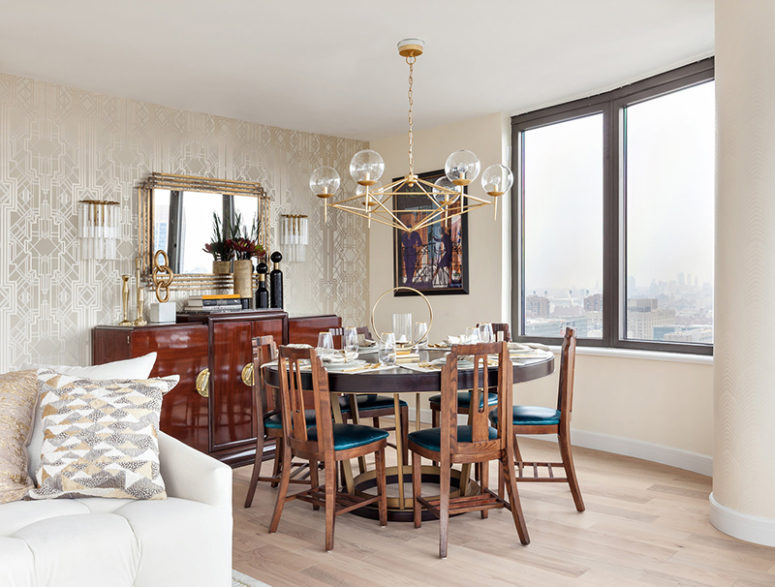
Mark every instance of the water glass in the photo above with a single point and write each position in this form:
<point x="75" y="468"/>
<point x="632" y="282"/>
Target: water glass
<point x="472" y="335"/>
<point x="402" y="327"/>
<point x="325" y="347"/>
<point x="420" y="331"/>
<point x="387" y="349"/>
<point x="485" y="332"/>
<point x="350" y="344"/>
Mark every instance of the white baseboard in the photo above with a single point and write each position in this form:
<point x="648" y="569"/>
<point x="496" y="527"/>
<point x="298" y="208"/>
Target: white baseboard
<point x="658" y="453"/>
<point x="743" y="526"/>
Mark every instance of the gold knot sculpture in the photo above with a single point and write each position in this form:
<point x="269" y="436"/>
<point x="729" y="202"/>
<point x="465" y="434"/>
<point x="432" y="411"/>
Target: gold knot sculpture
<point x="162" y="276"/>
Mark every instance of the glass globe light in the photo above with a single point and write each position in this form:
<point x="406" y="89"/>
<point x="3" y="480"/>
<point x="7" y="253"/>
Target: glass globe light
<point x="440" y="196"/>
<point x="462" y="167"/>
<point x="497" y="180"/>
<point x="366" y="167"/>
<point x="324" y="182"/>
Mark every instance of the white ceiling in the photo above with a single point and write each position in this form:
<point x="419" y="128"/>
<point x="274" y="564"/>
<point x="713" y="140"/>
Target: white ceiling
<point x="331" y="66"/>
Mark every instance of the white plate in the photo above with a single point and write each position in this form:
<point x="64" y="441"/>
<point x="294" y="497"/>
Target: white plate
<point x="341" y="366"/>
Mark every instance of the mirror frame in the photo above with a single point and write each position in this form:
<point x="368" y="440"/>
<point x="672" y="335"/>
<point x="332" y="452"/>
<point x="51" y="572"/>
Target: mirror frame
<point x="191" y="183"/>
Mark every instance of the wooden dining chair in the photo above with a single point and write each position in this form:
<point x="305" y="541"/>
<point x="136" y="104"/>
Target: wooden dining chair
<point x="542" y="420"/>
<point x="371" y="405"/>
<point x="476" y="442"/>
<point x="267" y="420"/>
<point x="501" y="327"/>
<point x="324" y="442"/>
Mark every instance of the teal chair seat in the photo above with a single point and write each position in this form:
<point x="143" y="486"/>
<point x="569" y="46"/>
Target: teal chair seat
<point x="464" y="399"/>
<point x="369" y="402"/>
<point x="275" y="421"/>
<point x="430" y="438"/>
<point x="531" y="416"/>
<point x="351" y="435"/>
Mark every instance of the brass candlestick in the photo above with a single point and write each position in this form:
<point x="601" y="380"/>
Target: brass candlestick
<point x="139" y="320"/>
<point x="125" y="301"/>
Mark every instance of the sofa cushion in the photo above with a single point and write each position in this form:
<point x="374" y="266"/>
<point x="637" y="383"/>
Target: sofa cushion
<point x="18" y="395"/>
<point x="139" y="543"/>
<point x="137" y="368"/>
<point x="100" y="437"/>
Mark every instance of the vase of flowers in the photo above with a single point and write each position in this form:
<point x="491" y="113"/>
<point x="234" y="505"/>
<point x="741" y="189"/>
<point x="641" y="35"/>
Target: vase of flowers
<point x="244" y="245"/>
<point x="219" y="247"/>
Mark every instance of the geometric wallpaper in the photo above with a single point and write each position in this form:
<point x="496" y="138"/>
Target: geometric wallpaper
<point x="59" y="145"/>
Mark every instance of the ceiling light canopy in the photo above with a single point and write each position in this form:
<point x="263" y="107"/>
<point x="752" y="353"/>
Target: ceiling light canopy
<point x="446" y="197"/>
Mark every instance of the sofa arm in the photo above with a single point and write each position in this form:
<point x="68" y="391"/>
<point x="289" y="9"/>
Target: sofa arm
<point x="190" y="474"/>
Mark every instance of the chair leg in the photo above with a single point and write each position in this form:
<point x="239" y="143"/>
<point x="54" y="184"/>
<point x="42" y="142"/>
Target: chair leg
<point x="570" y="471"/>
<point x="444" y="483"/>
<point x="278" y="457"/>
<point x="416" y="486"/>
<point x="434" y="418"/>
<point x="484" y="478"/>
<point x="330" y="473"/>
<point x="516" y="507"/>
<point x="256" y="470"/>
<point x="375" y="421"/>
<point x="314" y="481"/>
<point x="285" y="480"/>
<point x="405" y="433"/>
<point x="379" y="458"/>
<point x="517" y="454"/>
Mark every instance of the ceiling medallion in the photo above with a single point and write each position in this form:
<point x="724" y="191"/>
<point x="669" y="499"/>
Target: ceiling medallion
<point x="446" y="197"/>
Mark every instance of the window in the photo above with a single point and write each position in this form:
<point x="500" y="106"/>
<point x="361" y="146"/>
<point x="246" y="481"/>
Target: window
<point x="614" y="216"/>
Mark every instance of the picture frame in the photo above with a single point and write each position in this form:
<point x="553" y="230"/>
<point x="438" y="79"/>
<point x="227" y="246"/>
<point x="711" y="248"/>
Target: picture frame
<point x="434" y="259"/>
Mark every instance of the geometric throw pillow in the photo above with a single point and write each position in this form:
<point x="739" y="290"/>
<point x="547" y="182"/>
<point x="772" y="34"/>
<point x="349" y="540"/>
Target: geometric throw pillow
<point x="18" y="394"/>
<point x="136" y="368"/>
<point x="100" y="438"/>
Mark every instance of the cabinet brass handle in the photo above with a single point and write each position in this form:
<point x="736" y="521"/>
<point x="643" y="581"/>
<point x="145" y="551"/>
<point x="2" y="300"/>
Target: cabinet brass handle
<point x="203" y="383"/>
<point x="247" y="374"/>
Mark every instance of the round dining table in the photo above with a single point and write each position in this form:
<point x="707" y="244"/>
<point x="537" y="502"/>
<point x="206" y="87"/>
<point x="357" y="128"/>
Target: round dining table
<point x="397" y="379"/>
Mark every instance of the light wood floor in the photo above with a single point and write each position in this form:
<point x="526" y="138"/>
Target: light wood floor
<point x="645" y="524"/>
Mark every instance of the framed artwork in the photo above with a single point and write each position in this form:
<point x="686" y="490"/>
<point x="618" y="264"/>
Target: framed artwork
<point x="433" y="259"/>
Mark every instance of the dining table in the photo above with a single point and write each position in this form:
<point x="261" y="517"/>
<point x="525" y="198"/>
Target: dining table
<point x="421" y="378"/>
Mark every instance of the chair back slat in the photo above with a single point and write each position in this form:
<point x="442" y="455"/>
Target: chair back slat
<point x="294" y="401"/>
<point x="337" y="334"/>
<point x="480" y="388"/>
<point x="502" y="327"/>
<point x="264" y="350"/>
<point x="567" y="372"/>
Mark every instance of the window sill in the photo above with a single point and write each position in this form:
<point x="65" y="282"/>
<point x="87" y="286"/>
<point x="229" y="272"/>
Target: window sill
<point x="639" y="355"/>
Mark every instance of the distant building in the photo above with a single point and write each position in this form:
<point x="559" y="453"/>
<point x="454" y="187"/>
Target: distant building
<point x="593" y="303"/>
<point x="537" y="306"/>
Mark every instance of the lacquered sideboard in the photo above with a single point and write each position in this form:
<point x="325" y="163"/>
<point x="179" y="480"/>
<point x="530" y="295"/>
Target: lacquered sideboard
<point x="211" y="408"/>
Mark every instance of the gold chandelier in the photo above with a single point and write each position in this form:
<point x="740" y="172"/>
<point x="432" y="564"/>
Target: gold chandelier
<point x="446" y="197"/>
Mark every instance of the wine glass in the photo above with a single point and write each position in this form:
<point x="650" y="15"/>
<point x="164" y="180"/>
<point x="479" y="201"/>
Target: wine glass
<point x="350" y="344"/>
<point x="387" y="349"/>
<point x="421" y="330"/>
<point x="325" y="345"/>
<point x="485" y="332"/>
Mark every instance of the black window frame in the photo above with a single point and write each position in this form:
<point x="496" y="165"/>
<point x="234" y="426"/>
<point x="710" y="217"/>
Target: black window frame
<point x="612" y="106"/>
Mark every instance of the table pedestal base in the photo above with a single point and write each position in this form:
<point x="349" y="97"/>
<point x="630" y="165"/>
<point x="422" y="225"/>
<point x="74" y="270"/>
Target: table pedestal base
<point x="398" y="512"/>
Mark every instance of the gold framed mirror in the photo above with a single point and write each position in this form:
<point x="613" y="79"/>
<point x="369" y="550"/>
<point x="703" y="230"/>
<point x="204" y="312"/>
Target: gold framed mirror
<point x="175" y="214"/>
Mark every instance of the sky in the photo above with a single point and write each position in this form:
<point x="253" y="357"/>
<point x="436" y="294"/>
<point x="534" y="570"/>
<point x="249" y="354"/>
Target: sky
<point x="670" y="194"/>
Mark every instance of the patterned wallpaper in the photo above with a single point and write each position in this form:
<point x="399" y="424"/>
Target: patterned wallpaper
<point x="59" y="145"/>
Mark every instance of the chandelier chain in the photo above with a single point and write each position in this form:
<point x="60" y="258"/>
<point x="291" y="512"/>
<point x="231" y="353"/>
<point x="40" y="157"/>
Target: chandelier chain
<point x="410" y="61"/>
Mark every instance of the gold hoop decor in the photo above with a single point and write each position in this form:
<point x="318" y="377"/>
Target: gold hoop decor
<point x="403" y="288"/>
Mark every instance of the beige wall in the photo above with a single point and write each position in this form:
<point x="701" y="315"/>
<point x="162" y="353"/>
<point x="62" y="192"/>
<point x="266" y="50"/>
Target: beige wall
<point x="743" y="467"/>
<point x="59" y="145"/>
<point x="659" y="409"/>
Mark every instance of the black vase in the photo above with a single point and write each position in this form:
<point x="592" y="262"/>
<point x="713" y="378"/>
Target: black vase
<point x="262" y="294"/>
<point x="276" y="282"/>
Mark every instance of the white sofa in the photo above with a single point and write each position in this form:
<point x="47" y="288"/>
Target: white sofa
<point x="183" y="540"/>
